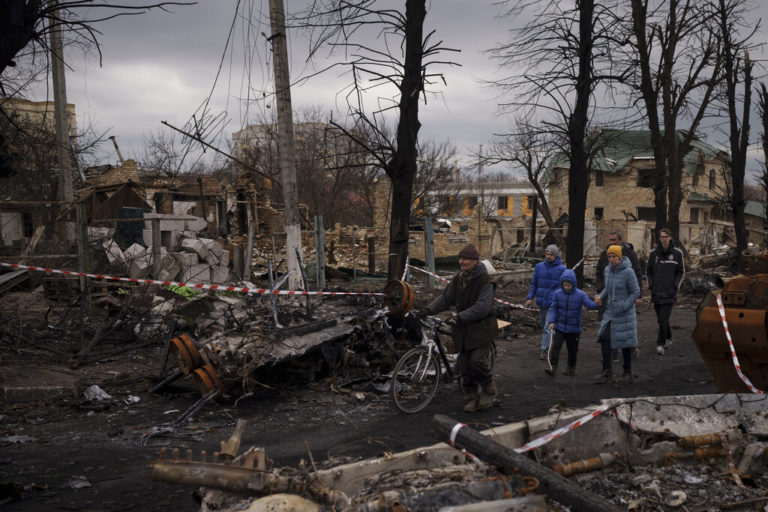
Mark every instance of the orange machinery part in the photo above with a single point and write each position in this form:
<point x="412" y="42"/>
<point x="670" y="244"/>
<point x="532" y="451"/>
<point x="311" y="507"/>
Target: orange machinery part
<point x="745" y="299"/>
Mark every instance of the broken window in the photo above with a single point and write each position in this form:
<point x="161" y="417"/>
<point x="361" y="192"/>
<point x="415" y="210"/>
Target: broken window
<point x="27" y="225"/>
<point x="501" y="203"/>
<point x="711" y="179"/>
<point x="645" y="177"/>
<point x="646" y="213"/>
<point x="599" y="178"/>
<point x="471" y="202"/>
<point x="694" y="215"/>
<point x="598" y="213"/>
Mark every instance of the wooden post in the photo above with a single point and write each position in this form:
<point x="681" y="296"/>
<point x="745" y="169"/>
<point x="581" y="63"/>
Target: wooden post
<point x="286" y="141"/>
<point x="534" y="211"/>
<point x="429" y="248"/>
<point x="156" y="244"/>
<point x="354" y="255"/>
<point x="248" y="256"/>
<point x="371" y="255"/>
<point x="83" y="260"/>
<point x="237" y="261"/>
<point x="65" y="192"/>
<point x="509" y="462"/>
<point x="319" y="252"/>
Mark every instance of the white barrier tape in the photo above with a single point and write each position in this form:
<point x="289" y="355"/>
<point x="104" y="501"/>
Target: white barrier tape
<point x="735" y="359"/>
<point x="452" y="440"/>
<point x="562" y="430"/>
<point x="454" y="431"/>
<point x="405" y="269"/>
<point x="578" y="263"/>
<point x="197" y="286"/>
<point x="506" y="303"/>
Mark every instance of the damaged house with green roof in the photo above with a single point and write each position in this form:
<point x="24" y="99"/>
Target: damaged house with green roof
<point x="621" y="192"/>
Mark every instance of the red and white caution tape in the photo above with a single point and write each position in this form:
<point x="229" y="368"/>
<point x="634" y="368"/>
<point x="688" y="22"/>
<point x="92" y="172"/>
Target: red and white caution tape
<point x="735" y="359"/>
<point x="199" y="286"/>
<point x="562" y="430"/>
<point x="452" y="440"/>
<point x="506" y="303"/>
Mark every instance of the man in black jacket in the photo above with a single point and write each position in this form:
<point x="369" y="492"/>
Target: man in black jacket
<point x="471" y="291"/>
<point x="665" y="272"/>
<point x="628" y="250"/>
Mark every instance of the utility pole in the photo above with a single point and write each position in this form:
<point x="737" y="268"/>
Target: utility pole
<point x="286" y="142"/>
<point x="482" y="199"/>
<point x="65" y="192"/>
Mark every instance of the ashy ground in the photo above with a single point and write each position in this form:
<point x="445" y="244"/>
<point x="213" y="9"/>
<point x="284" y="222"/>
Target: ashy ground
<point x="68" y="453"/>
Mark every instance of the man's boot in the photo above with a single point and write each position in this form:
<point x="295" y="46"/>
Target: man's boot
<point x="470" y="402"/>
<point x="551" y="370"/>
<point x="487" y="395"/>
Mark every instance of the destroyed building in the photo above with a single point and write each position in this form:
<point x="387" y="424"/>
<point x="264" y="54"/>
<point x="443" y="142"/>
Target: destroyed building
<point x="620" y="194"/>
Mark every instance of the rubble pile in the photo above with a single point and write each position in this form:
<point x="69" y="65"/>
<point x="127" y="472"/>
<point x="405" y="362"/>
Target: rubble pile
<point x="195" y="260"/>
<point x="703" y="452"/>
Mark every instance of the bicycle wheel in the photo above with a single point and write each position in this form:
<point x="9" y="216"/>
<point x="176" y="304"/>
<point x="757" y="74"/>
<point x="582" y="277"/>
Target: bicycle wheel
<point x="415" y="379"/>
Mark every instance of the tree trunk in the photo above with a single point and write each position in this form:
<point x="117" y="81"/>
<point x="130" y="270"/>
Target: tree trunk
<point x="578" y="182"/>
<point x="651" y="98"/>
<point x="402" y="168"/>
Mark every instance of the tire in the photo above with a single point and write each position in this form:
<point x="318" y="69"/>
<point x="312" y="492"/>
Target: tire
<point x="415" y="380"/>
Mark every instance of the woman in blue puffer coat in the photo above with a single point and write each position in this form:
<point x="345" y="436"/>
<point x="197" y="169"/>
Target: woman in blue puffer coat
<point x="618" y="329"/>
<point x="565" y="319"/>
<point x="544" y="283"/>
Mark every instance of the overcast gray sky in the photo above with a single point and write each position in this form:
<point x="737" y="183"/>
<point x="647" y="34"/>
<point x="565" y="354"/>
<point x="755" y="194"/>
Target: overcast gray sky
<point x="162" y="66"/>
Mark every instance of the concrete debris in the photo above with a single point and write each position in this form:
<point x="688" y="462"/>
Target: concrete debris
<point x="94" y="393"/>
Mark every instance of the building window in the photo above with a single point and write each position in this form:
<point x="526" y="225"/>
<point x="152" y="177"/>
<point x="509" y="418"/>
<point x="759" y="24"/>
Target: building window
<point x="646" y="213"/>
<point x="712" y="179"/>
<point x="645" y="177"/>
<point x="471" y="202"/>
<point x="27" y="225"/>
<point x="520" y="236"/>
<point x="598" y="213"/>
<point x="598" y="178"/>
<point x="694" y="215"/>
<point x="501" y="203"/>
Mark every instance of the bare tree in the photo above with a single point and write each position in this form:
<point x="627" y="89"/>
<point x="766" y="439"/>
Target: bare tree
<point x="166" y="155"/>
<point x="436" y="172"/>
<point x="559" y="59"/>
<point x="738" y="69"/>
<point x="337" y="23"/>
<point x="25" y="24"/>
<point x="675" y="51"/>
<point x="763" y="109"/>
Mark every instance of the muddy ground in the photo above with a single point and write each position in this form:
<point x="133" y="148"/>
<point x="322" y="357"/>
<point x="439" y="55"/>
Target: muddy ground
<point x="72" y="454"/>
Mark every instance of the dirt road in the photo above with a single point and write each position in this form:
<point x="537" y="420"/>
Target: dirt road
<point x="74" y="455"/>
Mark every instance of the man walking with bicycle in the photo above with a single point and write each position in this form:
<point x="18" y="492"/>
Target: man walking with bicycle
<point x="471" y="291"/>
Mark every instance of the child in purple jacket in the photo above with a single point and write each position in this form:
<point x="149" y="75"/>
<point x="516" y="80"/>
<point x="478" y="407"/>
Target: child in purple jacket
<point x="565" y="322"/>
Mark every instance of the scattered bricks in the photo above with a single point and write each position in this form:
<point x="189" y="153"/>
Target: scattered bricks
<point x="193" y="245"/>
<point x="170" y="268"/>
<point x="215" y="252"/>
<point x="200" y="273"/>
<point x="114" y="253"/>
<point x="185" y="259"/>
<point x="219" y="274"/>
<point x="137" y="260"/>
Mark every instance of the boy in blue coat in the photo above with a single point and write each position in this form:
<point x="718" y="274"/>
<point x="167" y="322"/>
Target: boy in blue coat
<point x="565" y="321"/>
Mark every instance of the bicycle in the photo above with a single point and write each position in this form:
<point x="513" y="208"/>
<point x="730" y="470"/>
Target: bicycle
<point x="417" y="373"/>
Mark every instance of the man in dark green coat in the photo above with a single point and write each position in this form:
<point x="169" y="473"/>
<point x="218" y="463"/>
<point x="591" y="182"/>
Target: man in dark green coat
<point x="471" y="291"/>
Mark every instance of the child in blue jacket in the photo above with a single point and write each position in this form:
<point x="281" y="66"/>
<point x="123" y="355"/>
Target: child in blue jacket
<point x="565" y="321"/>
